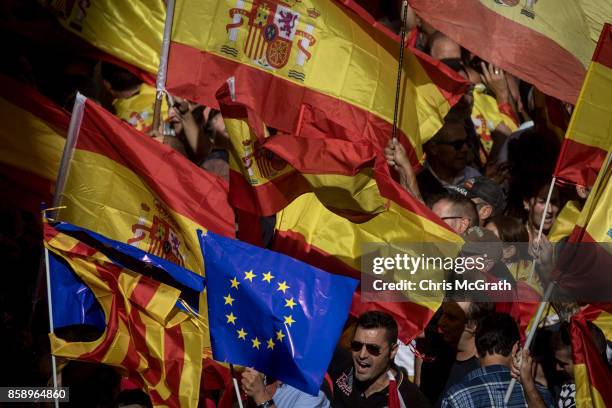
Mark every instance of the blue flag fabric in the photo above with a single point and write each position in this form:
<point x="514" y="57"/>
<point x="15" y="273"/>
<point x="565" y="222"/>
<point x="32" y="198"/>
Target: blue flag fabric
<point x="272" y="312"/>
<point x="74" y="303"/>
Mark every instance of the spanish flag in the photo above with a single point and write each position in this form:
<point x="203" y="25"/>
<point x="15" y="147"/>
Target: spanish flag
<point x="589" y="135"/>
<point x="33" y="133"/>
<point x="546" y="43"/>
<point x="285" y="55"/>
<point x="268" y="172"/>
<point x="591" y="375"/>
<point x="584" y="263"/>
<point x="308" y="231"/>
<point x="128" y="187"/>
<point x="147" y="334"/>
<point x="565" y="222"/>
<point x="129" y="31"/>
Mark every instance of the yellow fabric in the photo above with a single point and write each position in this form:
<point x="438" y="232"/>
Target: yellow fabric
<point x="521" y="271"/>
<point x="486" y="117"/>
<point x="574" y="25"/>
<point x="596" y="216"/>
<point x="28" y="143"/>
<point x="348" y="60"/>
<point x="157" y="315"/>
<point x="604" y="322"/>
<point x="137" y="110"/>
<point x="587" y="396"/>
<point x="130" y="31"/>
<point x="357" y="193"/>
<point x="565" y="222"/>
<point x="591" y="122"/>
<point x="110" y="199"/>
<point x="344" y="240"/>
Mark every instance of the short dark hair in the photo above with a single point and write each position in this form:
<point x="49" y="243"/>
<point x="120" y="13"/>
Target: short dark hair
<point x="563" y="338"/>
<point x="376" y="320"/>
<point x="479" y="310"/>
<point x="496" y="334"/>
<point x="119" y="78"/>
<point x="464" y="206"/>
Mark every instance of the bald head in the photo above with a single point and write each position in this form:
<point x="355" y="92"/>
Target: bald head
<point x="442" y="47"/>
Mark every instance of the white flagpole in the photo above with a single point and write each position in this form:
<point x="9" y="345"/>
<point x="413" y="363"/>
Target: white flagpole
<point x="163" y="65"/>
<point x="541" y="229"/>
<point x="51" y="327"/>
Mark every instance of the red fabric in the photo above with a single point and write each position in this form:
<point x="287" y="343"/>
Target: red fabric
<point x="579" y="163"/>
<point x="181" y="185"/>
<point x="393" y="395"/>
<point x="506" y="109"/>
<point x="585" y="352"/>
<point x="603" y="52"/>
<point x="523" y="52"/>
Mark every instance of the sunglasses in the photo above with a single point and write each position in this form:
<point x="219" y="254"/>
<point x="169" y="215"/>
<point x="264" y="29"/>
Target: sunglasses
<point x="456" y="144"/>
<point x="452" y="218"/>
<point x="373" y="349"/>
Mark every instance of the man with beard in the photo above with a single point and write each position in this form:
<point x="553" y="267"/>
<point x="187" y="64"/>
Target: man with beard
<point x="369" y="378"/>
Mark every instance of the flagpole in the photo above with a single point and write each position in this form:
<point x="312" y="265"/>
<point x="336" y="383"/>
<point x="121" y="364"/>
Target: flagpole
<point x="399" y="70"/>
<point x="531" y="334"/>
<point x="236" y="388"/>
<point x="51" y="327"/>
<point x="163" y="65"/>
<point x="62" y="175"/>
<point x="541" y="229"/>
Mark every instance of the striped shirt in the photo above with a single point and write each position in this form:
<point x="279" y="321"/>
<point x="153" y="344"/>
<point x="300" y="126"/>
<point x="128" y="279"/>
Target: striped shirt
<point x="485" y="387"/>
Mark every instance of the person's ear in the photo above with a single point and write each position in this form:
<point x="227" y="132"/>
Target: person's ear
<point x="515" y="349"/>
<point x="485" y="211"/>
<point x="509" y="251"/>
<point x="394" y="348"/>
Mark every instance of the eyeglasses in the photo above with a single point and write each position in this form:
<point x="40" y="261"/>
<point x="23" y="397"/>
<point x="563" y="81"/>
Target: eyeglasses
<point x="456" y="144"/>
<point x="373" y="349"/>
<point x="456" y="217"/>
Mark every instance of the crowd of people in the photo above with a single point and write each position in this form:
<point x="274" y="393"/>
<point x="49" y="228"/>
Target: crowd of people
<point x="487" y="175"/>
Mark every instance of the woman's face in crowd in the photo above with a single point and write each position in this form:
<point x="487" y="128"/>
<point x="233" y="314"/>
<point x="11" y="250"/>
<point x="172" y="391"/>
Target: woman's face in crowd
<point x="536" y="212"/>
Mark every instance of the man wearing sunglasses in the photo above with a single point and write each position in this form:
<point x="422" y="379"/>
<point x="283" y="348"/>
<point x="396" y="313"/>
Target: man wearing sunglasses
<point x="370" y="378"/>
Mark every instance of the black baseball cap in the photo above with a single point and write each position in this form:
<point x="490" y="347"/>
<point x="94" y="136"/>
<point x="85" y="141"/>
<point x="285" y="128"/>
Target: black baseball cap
<point x="485" y="189"/>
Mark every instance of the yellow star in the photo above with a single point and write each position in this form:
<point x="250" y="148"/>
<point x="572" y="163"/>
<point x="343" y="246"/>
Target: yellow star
<point x="235" y="283"/>
<point x="256" y="343"/>
<point x="242" y="334"/>
<point x="289" y="320"/>
<point x="268" y="277"/>
<point x="290" y="303"/>
<point x="283" y="286"/>
<point x="229" y="300"/>
<point x="232" y="319"/>
<point x="271" y="344"/>
<point x="279" y="335"/>
<point x="249" y="275"/>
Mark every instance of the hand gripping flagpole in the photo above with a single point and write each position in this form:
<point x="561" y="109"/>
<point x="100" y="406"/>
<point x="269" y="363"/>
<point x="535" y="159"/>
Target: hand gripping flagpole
<point x="399" y="70"/>
<point x="163" y="65"/>
<point x="541" y="229"/>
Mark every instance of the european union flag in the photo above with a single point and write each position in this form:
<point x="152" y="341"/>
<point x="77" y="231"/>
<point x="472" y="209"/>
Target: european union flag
<point x="272" y="312"/>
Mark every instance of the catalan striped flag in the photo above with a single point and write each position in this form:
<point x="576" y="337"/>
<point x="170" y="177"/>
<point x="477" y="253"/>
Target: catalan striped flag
<point x="147" y="330"/>
<point x="133" y="189"/>
<point x="323" y="54"/>
<point x="546" y="43"/>
<point x="131" y="32"/>
<point x="33" y="133"/>
<point x="591" y="374"/>
<point x="589" y="136"/>
<point x="310" y="232"/>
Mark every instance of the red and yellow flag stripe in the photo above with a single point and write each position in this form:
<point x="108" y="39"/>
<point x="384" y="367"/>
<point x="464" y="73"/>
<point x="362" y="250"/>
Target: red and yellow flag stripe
<point x="284" y="55"/>
<point x="126" y="186"/>
<point x="589" y="135"/>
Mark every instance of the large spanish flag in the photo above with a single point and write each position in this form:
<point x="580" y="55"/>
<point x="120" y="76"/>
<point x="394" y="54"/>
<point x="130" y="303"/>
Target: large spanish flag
<point x="129" y="31"/>
<point x="546" y="43"/>
<point x="565" y="222"/>
<point x="591" y="374"/>
<point x="284" y="55"/>
<point x="308" y="231"/>
<point x="128" y="187"/>
<point x="589" y="136"/>
<point x="147" y="334"/>
<point x="32" y="133"/>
